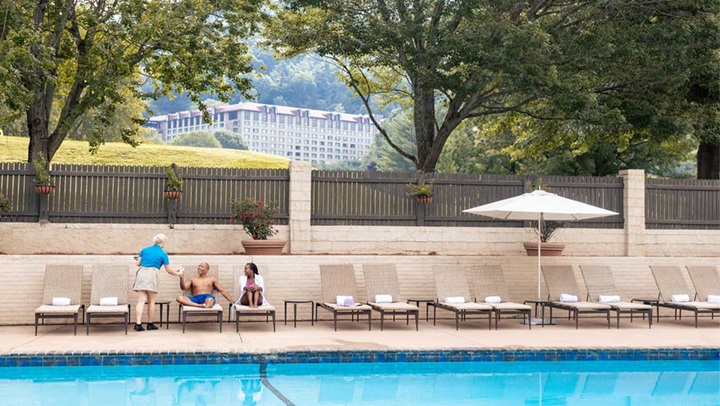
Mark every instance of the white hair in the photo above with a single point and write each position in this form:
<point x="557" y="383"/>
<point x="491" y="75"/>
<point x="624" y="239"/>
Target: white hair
<point x="159" y="239"/>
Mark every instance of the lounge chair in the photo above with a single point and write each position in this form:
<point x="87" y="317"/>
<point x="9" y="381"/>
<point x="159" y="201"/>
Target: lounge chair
<point x="109" y="296"/>
<point x="600" y="282"/>
<point x="191" y="311"/>
<point x="61" y="281"/>
<point x="382" y="280"/>
<point x="339" y="280"/>
<point x="560" y="281"/>
<point x="265" y="309"/>
<point x="451" y="284"/>
<point x="706" y="280"/>
<point x="489" y="282"/>
<point x="671" y="284"/>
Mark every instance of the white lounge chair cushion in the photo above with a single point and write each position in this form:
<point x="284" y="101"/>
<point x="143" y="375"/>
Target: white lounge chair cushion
<point x="608" y="298"/>
<point x="260" y="309"/>
<point x="713" y="298"/>
<point x="398" y="306"/>
<point x="567" y="298"/>
<point x="61" y="301"/>
<point x="50" y="309"/>
<point x="468" y="306"/>
<point x="383" y="299"/>
<point x="216" y="308"/>
<point x="454" y="300"/>
<point x="629" y="306"/>
<point x="581" y="306"/>
<point x="358" y="306"/>
<point x="493" y="299"/>
<point x="509" y="306"/>
<point x="108" y="301"/>
<point x="680" y="298"/>
<point x="108" y="309"/>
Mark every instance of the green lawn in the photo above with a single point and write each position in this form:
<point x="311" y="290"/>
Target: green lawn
<point x="14" y="149"/>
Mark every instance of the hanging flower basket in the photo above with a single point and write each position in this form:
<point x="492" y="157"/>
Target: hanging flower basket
<point x="425" y="199"/>
<point x="173" y="194"/>
<point x="44" y="189"/>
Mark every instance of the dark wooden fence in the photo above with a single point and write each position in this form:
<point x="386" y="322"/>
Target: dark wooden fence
<point x="134" y="194"/>
<point x="682" y="204"/>
<point x="367" y="198"/>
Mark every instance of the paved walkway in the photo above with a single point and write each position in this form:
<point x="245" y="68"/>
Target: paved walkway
<point x="258" y="337"/>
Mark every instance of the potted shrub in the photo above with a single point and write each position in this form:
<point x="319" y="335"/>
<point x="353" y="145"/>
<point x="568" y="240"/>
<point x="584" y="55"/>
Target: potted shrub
<point x="421" y="192"/>
<point x="173" y="187"/>
<point x="5" y="205"/>
<point x="257" y="219"/>
<point x="44" y="183"/>
<point x="549" y="249"/>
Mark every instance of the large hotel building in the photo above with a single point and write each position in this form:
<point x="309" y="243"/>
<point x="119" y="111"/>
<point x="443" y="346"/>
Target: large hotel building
<point x="319" y="137"/>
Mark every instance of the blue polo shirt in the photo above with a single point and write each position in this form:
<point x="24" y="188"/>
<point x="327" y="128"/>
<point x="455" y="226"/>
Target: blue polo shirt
<point x="153" y="257"/>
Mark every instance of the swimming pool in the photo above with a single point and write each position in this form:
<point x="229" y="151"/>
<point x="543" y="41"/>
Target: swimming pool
<point x="393" y="383"/>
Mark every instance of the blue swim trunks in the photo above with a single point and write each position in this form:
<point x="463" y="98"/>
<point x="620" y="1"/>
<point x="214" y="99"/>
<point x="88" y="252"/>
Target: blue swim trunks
<point x="201" y="298"/>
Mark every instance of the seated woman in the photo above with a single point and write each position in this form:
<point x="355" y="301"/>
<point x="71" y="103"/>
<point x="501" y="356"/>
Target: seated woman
<point x="253" y="287"/>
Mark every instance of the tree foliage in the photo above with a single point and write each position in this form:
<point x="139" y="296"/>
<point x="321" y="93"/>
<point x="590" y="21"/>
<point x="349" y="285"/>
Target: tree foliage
<point x="83" y="55"/>
<point x="592" y="63"/>
<point x="231" y="140"/>
<point x="201" y="139"/>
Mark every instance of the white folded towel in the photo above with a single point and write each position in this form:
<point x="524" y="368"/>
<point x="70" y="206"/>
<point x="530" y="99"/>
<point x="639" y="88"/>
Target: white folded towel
<point x="680" y="298"/>
<point x="347" y="301"/>
<point x="454" y="300"/>
<point x="383" y="299"/>
<point x="608" y="298"/>
<point x="108" y="301"/>
<point x="564" y="297"/>
<point x="61" y="301"/>
<point x="493" y="299"/>
<point x="713" y="299"/>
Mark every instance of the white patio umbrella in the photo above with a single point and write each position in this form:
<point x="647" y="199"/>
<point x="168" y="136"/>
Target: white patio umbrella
<point x="540" y="205"/>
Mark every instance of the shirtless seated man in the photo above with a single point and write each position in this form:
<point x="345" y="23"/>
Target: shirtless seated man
<point x="202" y="289"/>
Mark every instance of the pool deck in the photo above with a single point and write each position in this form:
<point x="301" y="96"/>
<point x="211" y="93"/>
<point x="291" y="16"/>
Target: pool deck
<point x="257" y="337"/>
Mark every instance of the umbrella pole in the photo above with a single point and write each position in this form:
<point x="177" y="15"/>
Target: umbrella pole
<point x="540" y="220"/>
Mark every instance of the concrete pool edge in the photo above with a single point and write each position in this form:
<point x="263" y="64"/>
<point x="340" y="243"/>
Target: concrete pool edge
<point x="130" y="358"/>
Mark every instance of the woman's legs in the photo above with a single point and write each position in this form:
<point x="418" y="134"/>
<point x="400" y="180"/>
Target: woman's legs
<point x="139" y="307"/>
<point x="151" y="305"/>
<point x="245" y="299"/>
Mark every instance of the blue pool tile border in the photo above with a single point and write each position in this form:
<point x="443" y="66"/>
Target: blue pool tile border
<point x="120" y="358"/>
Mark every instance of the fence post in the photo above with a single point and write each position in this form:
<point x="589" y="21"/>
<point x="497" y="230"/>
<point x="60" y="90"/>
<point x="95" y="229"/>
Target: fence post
<point x="300" y="210"/>
<point x="420" y="208"/>
<point x="634" y="207"/>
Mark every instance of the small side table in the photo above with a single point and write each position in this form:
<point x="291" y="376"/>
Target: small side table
<point x="428" y="303"/>
<point x="652" y="302"/>
<point x="164" y="305"/>
<point x="542" y="304"/>
<point x="295" y="303"/>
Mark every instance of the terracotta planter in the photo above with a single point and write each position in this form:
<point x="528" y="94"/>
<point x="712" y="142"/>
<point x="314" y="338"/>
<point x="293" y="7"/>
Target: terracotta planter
<point x="263" y="247"/>
<point x="44" y="189"/>
<point x="549" y="249"/>
<point x="172" y="194"/>
<point x="425" y="199"/>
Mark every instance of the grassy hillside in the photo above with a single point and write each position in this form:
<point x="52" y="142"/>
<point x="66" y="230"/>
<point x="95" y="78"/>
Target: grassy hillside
<point x="14" y="149"/>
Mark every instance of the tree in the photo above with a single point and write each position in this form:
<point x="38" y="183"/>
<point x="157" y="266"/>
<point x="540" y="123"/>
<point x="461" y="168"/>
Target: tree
<point x="479" y="58"/>
<point x="200" y="139"/>
<point x="80" y="55"/>
<point x="231" y="140"/>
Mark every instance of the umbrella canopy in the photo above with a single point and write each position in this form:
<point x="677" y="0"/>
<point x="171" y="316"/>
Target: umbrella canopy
<point x="529" y="206"/>
<point x="540" y="205"/>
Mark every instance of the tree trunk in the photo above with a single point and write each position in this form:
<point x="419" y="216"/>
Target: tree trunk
<point x="424" y="120"/>
<point x="708" y="160"/>
<point x="38" y="122"/>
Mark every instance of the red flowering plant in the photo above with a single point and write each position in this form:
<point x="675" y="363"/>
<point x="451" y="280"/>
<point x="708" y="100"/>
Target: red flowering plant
<point x="256" y="217"/>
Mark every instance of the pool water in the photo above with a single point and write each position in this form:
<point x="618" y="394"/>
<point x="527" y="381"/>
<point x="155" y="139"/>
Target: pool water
<point x="603" y="383"/>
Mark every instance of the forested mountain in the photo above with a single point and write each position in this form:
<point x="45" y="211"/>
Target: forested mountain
<point x="305" y="81"/>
